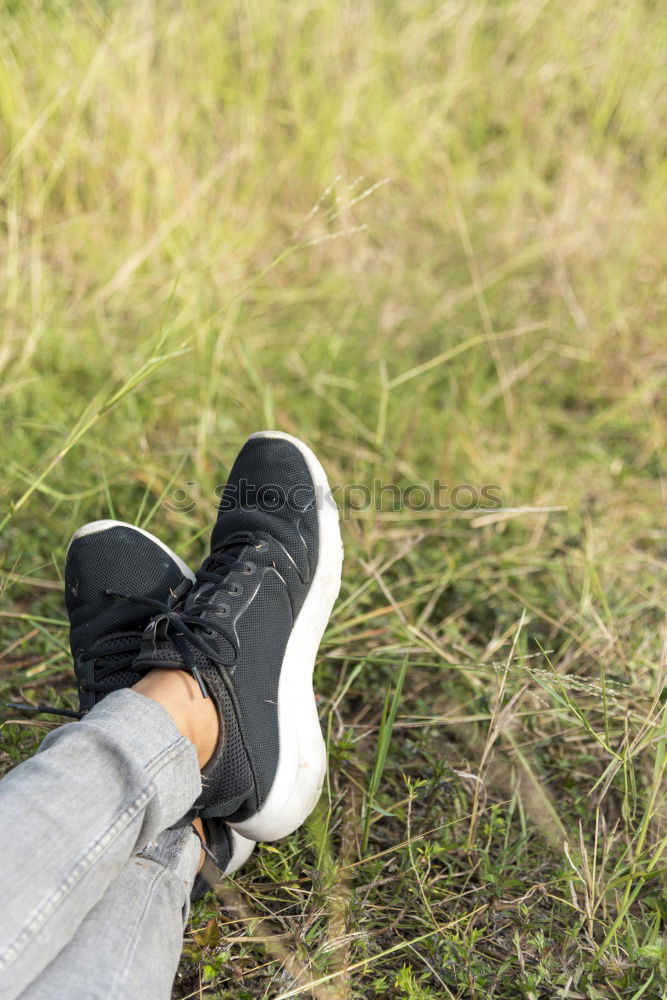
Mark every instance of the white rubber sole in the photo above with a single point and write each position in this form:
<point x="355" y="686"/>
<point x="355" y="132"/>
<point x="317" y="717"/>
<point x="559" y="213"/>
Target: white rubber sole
<point x="241" y="851"/>
<point x="302" y="758"/>
<point x="95" y="526"/>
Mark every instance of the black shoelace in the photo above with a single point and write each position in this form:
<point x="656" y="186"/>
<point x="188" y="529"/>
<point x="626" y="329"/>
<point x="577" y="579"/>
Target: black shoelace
<point x="17" y="706"/>
<point x="123" y="648"/>
<point x="178" y="619"/>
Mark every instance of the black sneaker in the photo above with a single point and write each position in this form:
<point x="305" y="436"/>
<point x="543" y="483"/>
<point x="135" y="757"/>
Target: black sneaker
<point x="116" y="577"/>
<point x="249" y="632"/>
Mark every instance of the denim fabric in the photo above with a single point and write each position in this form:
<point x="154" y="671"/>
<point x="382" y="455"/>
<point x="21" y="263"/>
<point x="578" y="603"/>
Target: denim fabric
<point x="129" y="945"/>
<point x="71" y="818"/>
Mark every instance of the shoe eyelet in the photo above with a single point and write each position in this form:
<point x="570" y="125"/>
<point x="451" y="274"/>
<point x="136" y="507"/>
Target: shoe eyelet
<point x="209" y="633"/>
<point x="224" y="610"/>
<point x="249" y="567"/>
<point x="236" y="589"/>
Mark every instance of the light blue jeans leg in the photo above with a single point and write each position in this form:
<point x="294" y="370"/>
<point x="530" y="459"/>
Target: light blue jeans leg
<point x="71" y="817"/>
<point x="129" y="945"/>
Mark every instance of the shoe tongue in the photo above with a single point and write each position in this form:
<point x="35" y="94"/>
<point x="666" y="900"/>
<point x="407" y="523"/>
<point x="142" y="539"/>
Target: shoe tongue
<point x="158" y="645"/>
<point x="159" y="654"/>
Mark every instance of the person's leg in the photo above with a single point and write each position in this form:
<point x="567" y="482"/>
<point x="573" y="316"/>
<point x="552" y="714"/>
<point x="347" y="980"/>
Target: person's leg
<point x="265" y="776"/>
<point x="71" y="817"/>
<point x="130" y="943"/>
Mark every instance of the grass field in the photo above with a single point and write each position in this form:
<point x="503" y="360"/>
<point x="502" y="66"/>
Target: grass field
<point x="429" y="238"/>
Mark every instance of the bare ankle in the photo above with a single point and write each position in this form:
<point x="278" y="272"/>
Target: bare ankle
<point x="199" y="827"/>
<point x="195" y="717"/>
